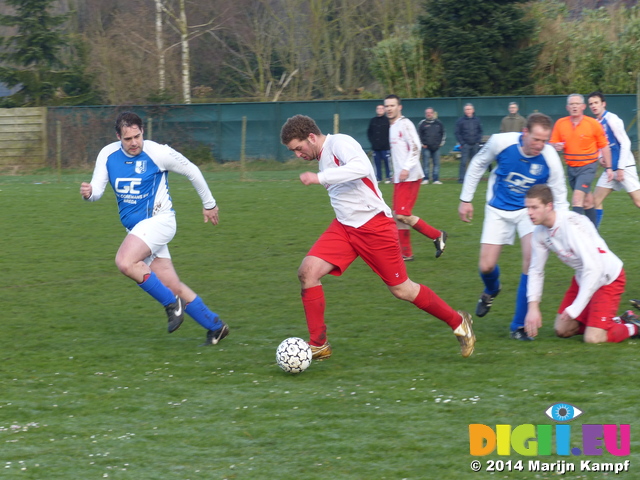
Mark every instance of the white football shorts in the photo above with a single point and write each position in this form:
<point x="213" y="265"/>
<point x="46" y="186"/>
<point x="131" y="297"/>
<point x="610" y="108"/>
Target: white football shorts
<point x="500" y="226"/>
<point x="629" y="182"/>
<point x="156" y="232"/>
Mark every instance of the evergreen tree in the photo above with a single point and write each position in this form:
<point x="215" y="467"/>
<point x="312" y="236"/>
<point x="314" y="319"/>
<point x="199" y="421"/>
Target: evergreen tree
<point x="33" y="58"/>
<point x="484" y="45"/>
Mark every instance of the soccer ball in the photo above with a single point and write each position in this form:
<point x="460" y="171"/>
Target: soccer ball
<point x="293" y="355"/>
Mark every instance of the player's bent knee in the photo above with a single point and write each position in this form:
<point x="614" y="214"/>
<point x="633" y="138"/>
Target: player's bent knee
<point x="125" y="267"/>
<point x="596" y="335"/>
<point x="486" y="268"/>
<point x="407" y="290"/>
<point x="307" y="276"/>
<point x="563" y="333"/>
<point x="594" y="339"/>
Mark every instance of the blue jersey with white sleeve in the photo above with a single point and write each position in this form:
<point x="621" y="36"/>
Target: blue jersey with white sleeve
<point x="619" y="142"/>
<point x="614" y="145"/>
<point x="515" y="173"/>
<point x="140" y="183"/>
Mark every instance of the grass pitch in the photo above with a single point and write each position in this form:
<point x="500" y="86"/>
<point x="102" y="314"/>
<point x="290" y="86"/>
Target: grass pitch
<point x="93" y="387"/>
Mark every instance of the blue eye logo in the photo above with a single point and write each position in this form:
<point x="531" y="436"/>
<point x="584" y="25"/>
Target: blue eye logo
<point x="563" y="412"/>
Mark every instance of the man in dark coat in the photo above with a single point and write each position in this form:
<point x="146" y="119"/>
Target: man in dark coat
<point x="469" y="136"/>
<point x="378" y="133"/>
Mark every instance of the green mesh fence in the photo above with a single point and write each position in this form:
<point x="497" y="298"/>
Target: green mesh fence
<point x="213" y="132"/>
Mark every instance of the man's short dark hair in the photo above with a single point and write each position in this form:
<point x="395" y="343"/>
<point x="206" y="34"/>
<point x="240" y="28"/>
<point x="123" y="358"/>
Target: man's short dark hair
<point x="600" y="95"/>
<point x="298" y="127"/>
<point x="127" y="119"/>
<point x="539" y="119"/>
<point x="542" y="192"/>
<point x="393" y="96"/>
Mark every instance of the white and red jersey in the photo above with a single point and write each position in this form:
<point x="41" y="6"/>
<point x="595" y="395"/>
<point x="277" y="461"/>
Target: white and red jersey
<point x="576" y="242"/>
<point x="406" y="149"/>
<point x="346" y="172"/>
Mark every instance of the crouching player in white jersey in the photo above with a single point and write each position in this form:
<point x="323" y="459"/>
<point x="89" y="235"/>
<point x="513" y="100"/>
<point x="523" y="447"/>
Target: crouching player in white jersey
<point x="137" y="170"/>
<point x="524" y="159"/>
<point x="363" y="227"/>
<point x="590" y="304"/>
<point x="623" y="163"/>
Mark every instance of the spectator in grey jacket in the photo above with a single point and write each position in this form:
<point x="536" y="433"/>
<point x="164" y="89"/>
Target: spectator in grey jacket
<point x="469" y="136"/>
<point x="514" y="122"/>
<point x="432" y="136"/>
<point x="378" y="133"/>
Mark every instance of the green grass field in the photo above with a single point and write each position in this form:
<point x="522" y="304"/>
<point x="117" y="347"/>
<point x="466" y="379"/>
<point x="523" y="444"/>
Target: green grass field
<point x="93" y="387"/>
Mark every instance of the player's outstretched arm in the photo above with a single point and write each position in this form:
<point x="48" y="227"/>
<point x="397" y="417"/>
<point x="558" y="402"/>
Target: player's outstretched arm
<point x="86" y="190"/>
<point x="533" y="320"/>
<point x="465" y="211"/>
<point x="309" y="178"/>
<point x="211" y="215"/>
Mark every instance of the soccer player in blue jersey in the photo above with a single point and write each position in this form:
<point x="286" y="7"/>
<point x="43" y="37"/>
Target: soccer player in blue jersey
<point x="623" y="163"/>
<point x="523" y="159"/>
<point x="137" y="170"/>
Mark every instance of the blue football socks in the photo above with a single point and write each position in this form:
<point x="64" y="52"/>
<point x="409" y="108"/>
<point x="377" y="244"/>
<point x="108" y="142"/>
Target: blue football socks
<point x="491" y="281"/>
<point x="154" y="287"/>
<point x="201" y="314"/>
<point x="521" y="304"/>
<point x="599" y="215"/>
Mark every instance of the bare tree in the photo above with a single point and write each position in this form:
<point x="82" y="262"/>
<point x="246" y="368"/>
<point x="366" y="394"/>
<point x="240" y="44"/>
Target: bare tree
<point x="160" y="47"/>
<point x="178" y="21"/>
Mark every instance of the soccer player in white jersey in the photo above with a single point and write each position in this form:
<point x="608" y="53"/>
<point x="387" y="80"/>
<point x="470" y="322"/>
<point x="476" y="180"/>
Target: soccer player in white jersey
<point x="363" y="227"/>
<point x="523" y="159"/>
<point x="406" y="151"/>
<point x="590" y="304"/>
<point x="137" y="170"/>
<point x="623" y="163"/>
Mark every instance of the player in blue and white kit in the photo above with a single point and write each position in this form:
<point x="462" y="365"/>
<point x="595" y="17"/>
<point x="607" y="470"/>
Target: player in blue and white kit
<point x="623" y="163"/>
<point x="138" y="173"/>
<point x="523" y="159"/>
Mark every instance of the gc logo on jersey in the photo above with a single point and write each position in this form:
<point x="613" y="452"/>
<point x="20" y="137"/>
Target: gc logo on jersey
<point x="517" y="180"/>
<point x="127" y="185"/>
<point x="141" y="166"/>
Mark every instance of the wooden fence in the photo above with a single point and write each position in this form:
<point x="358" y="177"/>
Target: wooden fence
<point x="23" y="139"/>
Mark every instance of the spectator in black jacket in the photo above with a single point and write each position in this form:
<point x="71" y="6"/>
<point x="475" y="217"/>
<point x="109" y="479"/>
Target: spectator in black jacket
<point x="432" y="137"/>
<point x="378" y="134"/>
<point x="469" y="136"/>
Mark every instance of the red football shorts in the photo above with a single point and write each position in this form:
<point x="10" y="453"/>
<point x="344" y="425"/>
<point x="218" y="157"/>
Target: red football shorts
<point x="376" y="242"/>
<point x="405" y="195"/>
<point x="602" y="307"/>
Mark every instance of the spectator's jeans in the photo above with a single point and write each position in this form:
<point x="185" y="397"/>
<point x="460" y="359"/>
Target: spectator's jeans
<point x="466" y="154"/>
<point x="435" y="158"/>
<point x="381" y="157"/>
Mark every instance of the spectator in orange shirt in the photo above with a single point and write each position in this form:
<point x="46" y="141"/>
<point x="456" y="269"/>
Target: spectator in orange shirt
<point x="583" y="140"/>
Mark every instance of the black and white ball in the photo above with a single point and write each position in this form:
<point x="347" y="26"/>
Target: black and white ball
<point x="293" y="355"/>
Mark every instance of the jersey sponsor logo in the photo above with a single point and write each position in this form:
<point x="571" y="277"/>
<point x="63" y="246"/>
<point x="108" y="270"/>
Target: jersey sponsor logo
<point x="519" y="181"/>
<point x="127" y="185"/>
<point x="141" y="166"/>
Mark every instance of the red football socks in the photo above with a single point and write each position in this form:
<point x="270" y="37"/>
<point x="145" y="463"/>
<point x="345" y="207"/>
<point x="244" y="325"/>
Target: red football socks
<point x="431" y="303"/>
<point x="404" y="236"/>
<point x="426" y="229"/>
<point x="314" y="305"/>
<point x="618" y="333"/>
